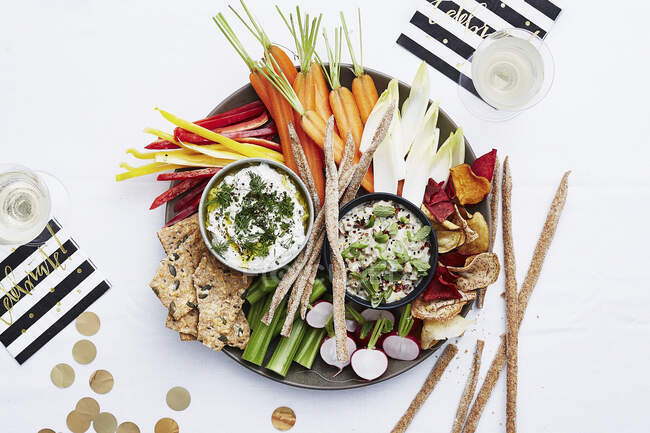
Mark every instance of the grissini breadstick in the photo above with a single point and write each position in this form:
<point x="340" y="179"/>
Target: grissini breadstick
<point x="494" y="216"/>
<point x="303" y="167"/>
<point x="511" y="300"/>
<point x="532" y="276"/>
<point x="299" y="263"/>
<point x="430" y="383"/>
<point x="332" y="229"/>
<point x="468" y="393"/>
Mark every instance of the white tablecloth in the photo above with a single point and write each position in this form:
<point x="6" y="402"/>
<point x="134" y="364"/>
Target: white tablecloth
<point x="78" y="82"/>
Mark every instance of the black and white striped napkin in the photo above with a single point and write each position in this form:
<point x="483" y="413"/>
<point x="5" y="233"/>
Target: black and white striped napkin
<point x="445" y="33"/>
<point x="42" y="289"/>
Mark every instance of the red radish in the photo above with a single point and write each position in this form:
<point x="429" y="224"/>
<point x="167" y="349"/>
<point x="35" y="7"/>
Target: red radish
<point x="319" y="314"/>
<point x="371" y="315"/>
<point x="351" y="325"/>
<point x="328" y="352"/>
<point x="399" y="344"/>
<point x="370" y="363"/>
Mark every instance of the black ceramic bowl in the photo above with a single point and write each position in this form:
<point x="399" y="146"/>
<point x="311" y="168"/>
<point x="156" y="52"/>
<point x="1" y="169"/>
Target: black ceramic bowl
<point x="433" y="259"/>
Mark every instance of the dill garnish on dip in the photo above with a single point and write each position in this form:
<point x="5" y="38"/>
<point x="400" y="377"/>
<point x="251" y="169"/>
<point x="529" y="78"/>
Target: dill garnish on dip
<point x="256" y="217"/>
<point x="386" y="250"/>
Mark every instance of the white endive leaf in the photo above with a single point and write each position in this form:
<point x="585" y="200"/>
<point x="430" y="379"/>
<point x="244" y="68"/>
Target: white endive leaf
<point x="414" y="107"/>
<point x="458" y="154"/>
<point x="422" y="157"/>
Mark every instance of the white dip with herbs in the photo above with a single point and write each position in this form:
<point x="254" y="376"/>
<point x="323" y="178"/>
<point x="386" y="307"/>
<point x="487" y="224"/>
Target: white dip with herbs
<point x="386" y="251"/>
<point x="256" y="218"/>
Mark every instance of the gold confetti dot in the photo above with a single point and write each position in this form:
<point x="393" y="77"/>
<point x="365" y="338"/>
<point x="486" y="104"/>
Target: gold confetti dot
<point x="23" y="330"/>
<point x="84" y="351"/>
<point x="128" y="427"/>
<point x="88" y="407"/>
<point x="178" y="398"/>
<point x="13" y="250"/>
<point x="503" y="5"/>
<point x="283" y="418"/>
<point x="527" y="23"/>
<point x="78" y="290"/>
<point x="31" y="315"/>
<point x="79" y="270"/>
<point x="52" y="290"/>
<point x="105" y="423"/>
<point x="62" y="375"/>
<point x="166" y="425"/>
<point x="77" y="422"/>
<point x="101" y="381"/>
<point x="87" y="323"/>
<point x="46" y="430"/>
<point x="445" y="41"/>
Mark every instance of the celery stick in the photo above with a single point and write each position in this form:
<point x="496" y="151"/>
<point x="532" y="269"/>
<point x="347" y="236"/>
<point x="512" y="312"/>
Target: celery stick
<point x="309" y="347"/>
<point x="317" y="291"/>
<point x="255" y="313"/>
<point x="286" y="349"/>
<point x="263" y="334"/>
<point x="266" y="285"/>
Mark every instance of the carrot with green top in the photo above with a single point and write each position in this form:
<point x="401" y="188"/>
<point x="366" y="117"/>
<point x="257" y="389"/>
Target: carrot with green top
<point x="305" y="39"/>
<point x="363" y="86"/>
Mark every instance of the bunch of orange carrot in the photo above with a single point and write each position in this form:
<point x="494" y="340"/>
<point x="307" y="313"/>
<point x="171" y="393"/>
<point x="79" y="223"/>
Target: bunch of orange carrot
<point x="301" y="97"/>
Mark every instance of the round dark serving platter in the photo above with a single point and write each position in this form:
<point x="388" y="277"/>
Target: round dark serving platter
<point x="320" y="376"/>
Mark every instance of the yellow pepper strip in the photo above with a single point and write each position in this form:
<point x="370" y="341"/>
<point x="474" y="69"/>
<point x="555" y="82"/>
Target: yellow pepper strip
<point x="154" y="167"/>
<point x="141" y="155"/>
<point x="213" y="150"/>
<point x="246" y="149"/>
<point x="193" y="160"/>
<point x="162" y="135"/>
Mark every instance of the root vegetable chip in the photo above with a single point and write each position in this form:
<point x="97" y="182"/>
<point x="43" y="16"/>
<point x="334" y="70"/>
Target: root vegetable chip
<point x="453" y="258"/>
<point x="484" y="165"/>
<point x="442" y="310"/>
<point x="442" y="286"/>
<point x="448" y="240"/>
<point x="481" y="272"/>
<point x="470" y="188"/>
<point x="434" y="330"/>
<point x="437" y="201"/>
<point x="460" y="221"/>
<point x="481" y="244"/>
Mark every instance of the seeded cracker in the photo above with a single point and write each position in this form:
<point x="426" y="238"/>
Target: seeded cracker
<point x="188" y="324"/>
<point x="221" y="320"/>
<point x="173" y="283"/>
<point x="186" y="337"/>
<point x="173" y="236"/>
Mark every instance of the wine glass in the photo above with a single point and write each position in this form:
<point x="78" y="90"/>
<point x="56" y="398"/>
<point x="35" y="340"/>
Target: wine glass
<point x="28" y="199"/>
<point x="512" y="70"/>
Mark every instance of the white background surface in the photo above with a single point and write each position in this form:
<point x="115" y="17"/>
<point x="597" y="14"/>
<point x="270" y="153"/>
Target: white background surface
<point x="78" y="82"/>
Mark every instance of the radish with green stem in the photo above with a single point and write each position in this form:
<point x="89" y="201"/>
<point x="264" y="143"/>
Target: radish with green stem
<point x="370" y="314"/>
<point x="399" y="344"/>
<point x="370" y="363"/>
<point x="353" y="320"/>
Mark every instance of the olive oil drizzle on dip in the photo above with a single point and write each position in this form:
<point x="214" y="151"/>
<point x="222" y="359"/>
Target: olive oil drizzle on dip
<point x="256" y="217"/>
<point x="386" y="250"/>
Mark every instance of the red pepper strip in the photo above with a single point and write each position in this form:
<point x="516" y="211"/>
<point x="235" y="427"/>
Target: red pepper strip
<point x="189" y="196"/>
<point x="174" y="192"/>
<point x="261" y="142"/>
<point x="245" y="107"/>
<point x="200" y="173"/>
<point x="161" y="145"/>
<point x="189" y="137"/>
<point x="190" y="210"/>
<point x="214" y="123"/>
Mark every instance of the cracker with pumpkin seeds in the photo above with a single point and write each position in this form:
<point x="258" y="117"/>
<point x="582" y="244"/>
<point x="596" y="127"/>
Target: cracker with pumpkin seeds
<point x="173" y="236"/>
<point x="173" y="283"/>
<point x="187" y="337"/>
<point x="221" y="320"/>
<point x="188" y="324"/>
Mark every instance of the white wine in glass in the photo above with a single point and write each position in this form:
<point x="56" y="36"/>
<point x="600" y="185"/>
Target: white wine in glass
<point x="25" y="205"/>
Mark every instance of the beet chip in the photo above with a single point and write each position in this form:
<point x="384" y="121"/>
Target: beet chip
<point x="484" y="165"/>
<point x="437" y="201"/>
<point x="442" y="286"/>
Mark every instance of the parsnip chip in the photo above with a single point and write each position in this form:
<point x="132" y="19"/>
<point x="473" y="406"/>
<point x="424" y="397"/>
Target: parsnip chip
<point x="440" y="310"/>
<point x="435" y="330"/>
<point x="481" y="244"/>
<point x="482" y="271"/>
<point x="461" y="221"/>
<point x="470" y="188"/>
<point x="448" y="240"/>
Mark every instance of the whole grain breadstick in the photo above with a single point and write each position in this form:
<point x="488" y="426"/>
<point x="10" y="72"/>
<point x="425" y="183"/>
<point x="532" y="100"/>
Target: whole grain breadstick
<point x="332" y="228"/>
<point x="511" y="300"/>
<point x="347" y="160"/>
<point x="303" y="167"/>
<point x="309" y="287"/>
<point x="430" y="383"/>
<point x="532" y="276"/>
<point x="494" y="216"/>
<point x="468" y="392"/>
<point x="366" y="157"/>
